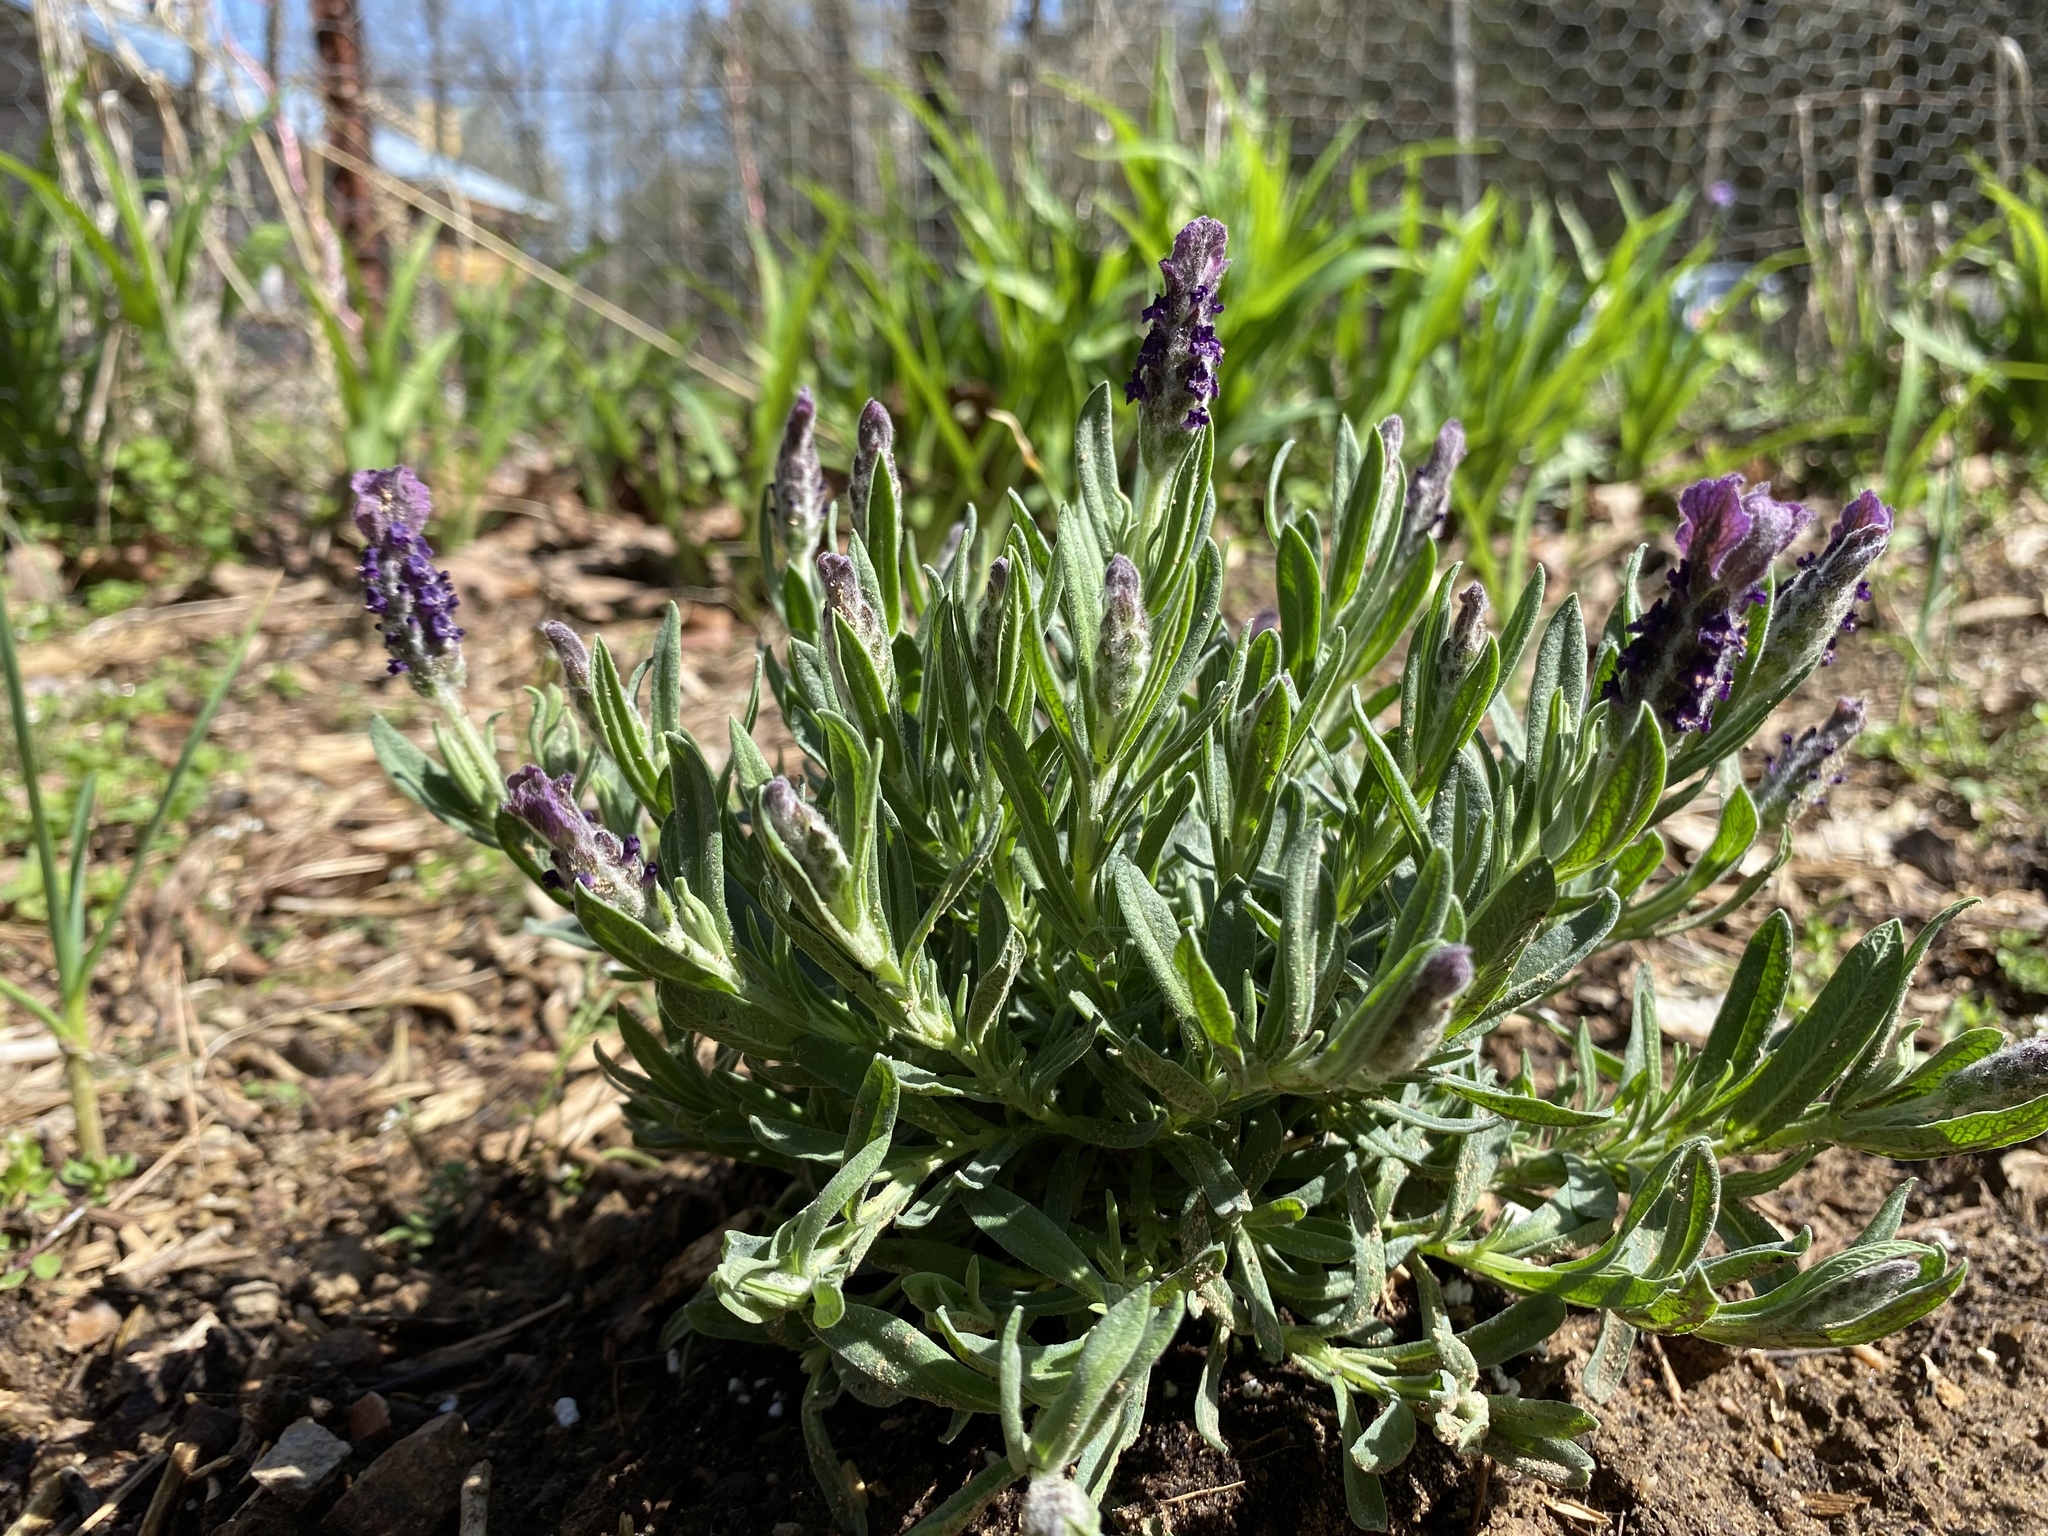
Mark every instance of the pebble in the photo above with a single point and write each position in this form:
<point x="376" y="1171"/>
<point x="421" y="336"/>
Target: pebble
<point x="254" y="1303"/>
<point x="412" y="1489"/>
<point x="89" y="1325"/>
<point x="304" y="1457"/>
<point x="567" y="1414"/>
<point x="368" y="1416"/>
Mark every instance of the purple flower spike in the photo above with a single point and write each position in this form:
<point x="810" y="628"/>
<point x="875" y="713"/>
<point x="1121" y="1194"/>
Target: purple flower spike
<point x="580" y="849"/>
<point x="1733" y="534"/>
<point x="1682" y="660"/>
<point x="1803" y="771"/>
<point x="414" y="602"/>
<point x="799" y="495"/>
<point x="1175" y="376"/>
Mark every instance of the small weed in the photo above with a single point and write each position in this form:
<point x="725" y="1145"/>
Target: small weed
<point x="26" y="1180"/>
<point x="447" y="1192"/>
<point x="271" y="1091"/>
<point x="1999" y="772"/>
<point x="2023" y="958"/>
<point x="285" y="684"/>
<point x="95" y="1176"/>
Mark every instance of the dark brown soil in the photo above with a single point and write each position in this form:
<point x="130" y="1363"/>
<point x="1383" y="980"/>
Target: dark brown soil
<point x="363" y="1057"/>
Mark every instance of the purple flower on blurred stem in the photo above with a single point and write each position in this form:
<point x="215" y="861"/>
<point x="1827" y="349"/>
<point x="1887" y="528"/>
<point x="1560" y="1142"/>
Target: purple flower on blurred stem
<point x="1175" y="376"/>
<point x="798" y="495"/>
<point x="580" y="848"/>
<point x="1683" y="657"/>
<point x="414" y="603"/>
<point x="1429" y="488"/>
<point x="1799" y="774"/>
<point x="1721" y="194"/>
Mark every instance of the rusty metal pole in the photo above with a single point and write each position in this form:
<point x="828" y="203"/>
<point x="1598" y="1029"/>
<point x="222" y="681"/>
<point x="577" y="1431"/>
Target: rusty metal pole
<point x="344" y="90"/>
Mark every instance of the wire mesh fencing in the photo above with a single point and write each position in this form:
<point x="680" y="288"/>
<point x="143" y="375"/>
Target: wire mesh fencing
<point x="667" y="133"/>
<point x="664" y="131"/>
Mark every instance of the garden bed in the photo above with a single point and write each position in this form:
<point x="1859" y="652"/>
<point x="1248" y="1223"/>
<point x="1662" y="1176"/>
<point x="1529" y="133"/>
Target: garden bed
<point x="388" y="1175"/>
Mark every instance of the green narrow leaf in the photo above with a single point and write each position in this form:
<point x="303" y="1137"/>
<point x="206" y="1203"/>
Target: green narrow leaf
<point x="1300" y="586"/>
<point x="1750" y="1005"/>
<point x="1153" y="932"/>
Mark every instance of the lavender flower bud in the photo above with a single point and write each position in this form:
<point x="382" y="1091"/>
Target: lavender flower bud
<point x="2013" y="1075"/>
<point x="1418" y="1029"/>
<point x="414" y="603"/>
<point x="1429" y="488"/>
<point x="1682" y="660"/>
<point x="874" y="448"/>
<point x="988" y="624"/>
<point x="1174" y="378"/>
<point x="844" y="597"/>
<point x="810" y="841"/>
<point x="581" y="850"/>
<point x="1123" y="651"/>
<point x="1461" y="647"/>
<point x="1802" y="772"/>
<point x="575" y="662"/>
<point x="799" y="493"/>
<point x="1393" y="431"/>
<point x="1054" y="1506"/>
<point x="1260" y="622"/>
<point x="1817" y="606"/>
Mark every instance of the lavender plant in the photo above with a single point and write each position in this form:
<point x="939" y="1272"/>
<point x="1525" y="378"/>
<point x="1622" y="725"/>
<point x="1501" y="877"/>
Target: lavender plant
<point x="1098" y="974"/>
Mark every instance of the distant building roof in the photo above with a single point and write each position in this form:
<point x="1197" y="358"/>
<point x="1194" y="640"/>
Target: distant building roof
<point x="120" y="36"/>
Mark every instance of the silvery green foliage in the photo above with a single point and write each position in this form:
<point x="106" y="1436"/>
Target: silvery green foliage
<point x="1101" y="976"/>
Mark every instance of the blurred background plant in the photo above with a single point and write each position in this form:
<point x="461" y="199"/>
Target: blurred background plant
<point x="172" y="259"/>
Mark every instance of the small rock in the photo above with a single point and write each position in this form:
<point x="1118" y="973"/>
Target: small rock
<point x="333" y="1293"/>
<point x="567" y="1414"/>
<point x="88" y="1325"/>
<point x="304" y="1457"/>
<point x="254" y="1303"/>
<point x="786" y="1528"/>
<point x="368" y="1417"/>
<point x="412" y="1489"/>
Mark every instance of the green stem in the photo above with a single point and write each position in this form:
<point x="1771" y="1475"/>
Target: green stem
<point x="76" y="1038"/>
<point x="471" y="758"/>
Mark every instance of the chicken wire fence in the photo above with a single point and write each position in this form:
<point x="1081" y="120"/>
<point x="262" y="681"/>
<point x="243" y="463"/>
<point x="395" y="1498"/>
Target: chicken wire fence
<point x="661" y="128"/>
